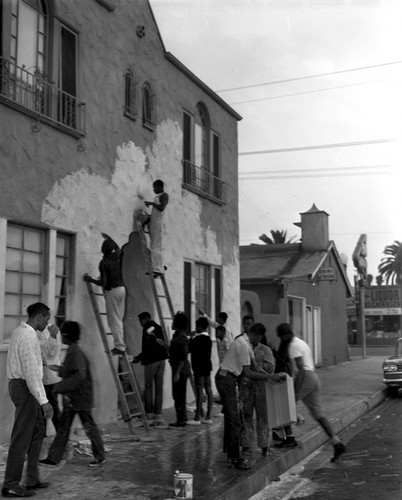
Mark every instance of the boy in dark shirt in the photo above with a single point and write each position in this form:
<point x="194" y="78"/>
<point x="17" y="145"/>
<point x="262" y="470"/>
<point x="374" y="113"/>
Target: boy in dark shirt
<point x="77" y="391"/>
<point x="178" y="351"/>
<point x="200" y="348"/>
<point x="152" y="357"/>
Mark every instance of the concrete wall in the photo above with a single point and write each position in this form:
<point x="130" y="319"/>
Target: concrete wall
<point x="52" y="178"/>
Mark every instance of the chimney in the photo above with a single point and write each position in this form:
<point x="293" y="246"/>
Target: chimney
<point x="314" y="230"/>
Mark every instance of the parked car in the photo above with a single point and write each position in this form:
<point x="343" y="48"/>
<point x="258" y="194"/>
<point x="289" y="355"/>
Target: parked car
<point x="392" y="370"/>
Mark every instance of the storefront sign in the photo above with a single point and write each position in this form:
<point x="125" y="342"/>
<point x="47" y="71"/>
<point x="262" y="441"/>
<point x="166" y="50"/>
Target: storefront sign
<point x="327" y="274"/>
<point x="382" y="300"/>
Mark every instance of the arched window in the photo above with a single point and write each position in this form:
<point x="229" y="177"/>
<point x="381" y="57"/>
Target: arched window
<point x="247" y="309"/>
<point x="130" y="98"/>
<point x="201" y="136"/>
<point x="148" y="106"/>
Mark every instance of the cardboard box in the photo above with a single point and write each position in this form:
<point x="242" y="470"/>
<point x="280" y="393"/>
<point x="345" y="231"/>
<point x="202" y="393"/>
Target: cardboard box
<point x="281" y="403"/>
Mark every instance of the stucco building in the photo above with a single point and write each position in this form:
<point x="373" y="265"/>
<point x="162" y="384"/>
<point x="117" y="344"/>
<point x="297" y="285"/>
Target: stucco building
<point x="92" y="110"/>
<point x="304" y="284"/>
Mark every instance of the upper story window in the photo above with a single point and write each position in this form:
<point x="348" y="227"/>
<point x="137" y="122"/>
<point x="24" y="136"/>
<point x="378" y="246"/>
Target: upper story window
<point x="130" y="95"/>
<point x="148" y="106"/>
<point x="28" y="35"/>
<point x="201" y="142"/>
<point x="201" y="156"/>
<point x="36" y="268"/>
<point x="30" y="80"/>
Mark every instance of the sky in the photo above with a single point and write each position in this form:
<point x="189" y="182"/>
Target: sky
<point x="256" y="45"/>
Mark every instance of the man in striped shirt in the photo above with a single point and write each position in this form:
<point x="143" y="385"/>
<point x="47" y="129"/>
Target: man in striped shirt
<point x="25" y="373"/>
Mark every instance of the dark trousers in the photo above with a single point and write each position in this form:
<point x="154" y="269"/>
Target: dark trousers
<point x="179" y="392"/>
<point x="52" y="397"/>
<point x="153" y="394"/>
<point x="26" y="436"/>
<point x="91" y="430"/>
<point x="226" y="386"/>
<point x="203" y="382"/>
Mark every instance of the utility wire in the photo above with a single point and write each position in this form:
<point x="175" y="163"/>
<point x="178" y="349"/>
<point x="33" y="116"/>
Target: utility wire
<point x="366" y="232"/>
<point x="319" y="75"/>
<point x="256" y="213"/>
<point x="256" y="209"/>
<point x="304" y="92"/>
<point x="310" y="172"/>
<point x="314" y="176"/>
<point x="320" y="146"/>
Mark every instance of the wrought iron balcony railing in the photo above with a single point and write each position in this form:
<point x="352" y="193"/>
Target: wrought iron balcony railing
<point x="32" y="92"/>
<point x="203" y="182"/>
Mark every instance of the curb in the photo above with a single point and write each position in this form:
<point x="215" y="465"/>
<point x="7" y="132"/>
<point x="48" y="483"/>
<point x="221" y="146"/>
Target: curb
<point x="264" y="474"/>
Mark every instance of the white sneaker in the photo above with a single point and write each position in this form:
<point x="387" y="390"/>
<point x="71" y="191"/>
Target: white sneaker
<point x="193" y="422"/>
<point x="219" y="415"/>
<point x="208" y="422"/>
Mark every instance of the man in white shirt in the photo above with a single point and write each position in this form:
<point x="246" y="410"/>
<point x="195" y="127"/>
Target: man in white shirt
<point x="50" y="347"/>
<point x="238" y="360"/>
<point x="307" y="384"/>
<point x="25" y="373"/>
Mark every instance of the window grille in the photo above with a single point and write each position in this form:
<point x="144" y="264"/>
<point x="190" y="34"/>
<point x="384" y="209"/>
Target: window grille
<point x="30" y="258"/>
<point x="130" y="98"/>
<point x="148" y="106"/>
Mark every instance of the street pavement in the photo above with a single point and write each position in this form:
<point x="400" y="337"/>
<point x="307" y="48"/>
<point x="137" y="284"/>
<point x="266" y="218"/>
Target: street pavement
<point x="370" y="468"/>
<point x="142" y="466"/>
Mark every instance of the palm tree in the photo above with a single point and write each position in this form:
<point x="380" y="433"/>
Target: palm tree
<point x="278" y="237"/>
<point x="391" y="267"/>
<point x="379" y="280"/>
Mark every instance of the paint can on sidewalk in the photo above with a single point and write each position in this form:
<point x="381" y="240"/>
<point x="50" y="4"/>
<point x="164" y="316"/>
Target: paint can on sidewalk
<point x="183" y="485"/>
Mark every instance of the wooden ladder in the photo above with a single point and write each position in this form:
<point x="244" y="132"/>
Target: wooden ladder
<point x="160" y="293"/>
<point x="127" y="373"/>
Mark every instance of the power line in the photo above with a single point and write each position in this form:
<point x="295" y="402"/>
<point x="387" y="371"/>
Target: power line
<point x="315" y="172"/>
<point x="320" y="146"/>
<point x="253" y="207"/>
<point x="256" y="209"/>
<point x="359" y="232"/>
<point x="314" y="176"/>
<point x="304" y="92"/>
<point x="256" y="213"/>
<point x="319" y="75"/>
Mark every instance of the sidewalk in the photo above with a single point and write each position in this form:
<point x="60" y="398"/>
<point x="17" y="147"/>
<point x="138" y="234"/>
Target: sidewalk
<point x="143" y="470"/>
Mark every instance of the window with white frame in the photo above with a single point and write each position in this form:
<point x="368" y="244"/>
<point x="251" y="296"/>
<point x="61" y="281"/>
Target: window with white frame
<point x="202" y="289"/>
<point x="36" y="267"/>
<point x="24" y="273"/>
<point x="62" y="276"/>
<point x="297" y="315"/>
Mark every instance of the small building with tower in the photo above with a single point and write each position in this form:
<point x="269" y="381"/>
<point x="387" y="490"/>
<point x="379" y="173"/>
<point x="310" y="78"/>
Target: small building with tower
<point x="304" y="284"/>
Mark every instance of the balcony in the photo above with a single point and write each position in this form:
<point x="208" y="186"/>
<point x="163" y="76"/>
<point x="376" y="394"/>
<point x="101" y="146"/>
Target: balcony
<point x="33" y="95"/>
<point x="202" y="182"/>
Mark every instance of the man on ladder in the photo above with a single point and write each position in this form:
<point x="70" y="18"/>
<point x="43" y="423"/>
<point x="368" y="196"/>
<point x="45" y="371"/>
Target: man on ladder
<point x="155" y="225"/>
<point x="112" y="283"/>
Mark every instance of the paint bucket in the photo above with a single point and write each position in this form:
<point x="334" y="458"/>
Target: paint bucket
<point x="182" y="485"/>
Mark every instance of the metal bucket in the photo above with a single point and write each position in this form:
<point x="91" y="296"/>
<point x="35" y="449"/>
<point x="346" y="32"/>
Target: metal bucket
<point x="183" y="485"/>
